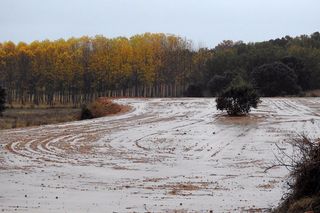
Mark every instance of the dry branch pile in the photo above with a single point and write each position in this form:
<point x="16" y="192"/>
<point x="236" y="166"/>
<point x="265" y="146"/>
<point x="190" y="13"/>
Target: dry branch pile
<point x="304" y="181"/>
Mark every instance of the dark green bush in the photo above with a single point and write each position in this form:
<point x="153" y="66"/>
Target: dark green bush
<point x="237" y="100"/>
<point x="194" y="91"/>
<point x="303" y="75"/>
<point x="275" y="79"/>
<point x="2" y="100"/>
<point x="85" y="113"/>
<point x="218" y="83"/>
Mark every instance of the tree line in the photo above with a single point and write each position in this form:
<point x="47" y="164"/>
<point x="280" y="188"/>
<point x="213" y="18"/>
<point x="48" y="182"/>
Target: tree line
<point x="78" y="70"/>
<point x="283" y="66"/>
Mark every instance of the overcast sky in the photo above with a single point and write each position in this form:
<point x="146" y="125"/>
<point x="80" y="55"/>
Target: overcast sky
<point x="206" y="22"/>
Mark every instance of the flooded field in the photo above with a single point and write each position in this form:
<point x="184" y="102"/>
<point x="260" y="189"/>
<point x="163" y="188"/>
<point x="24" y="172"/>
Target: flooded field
<point x="165" y="155"/>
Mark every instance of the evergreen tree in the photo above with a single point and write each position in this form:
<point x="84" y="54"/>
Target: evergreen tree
<point x="238" y="100"/>
<point x="275" y="79"/>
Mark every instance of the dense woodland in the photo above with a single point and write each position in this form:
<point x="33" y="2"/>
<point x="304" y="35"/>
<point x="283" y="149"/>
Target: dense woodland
<point x="78" y="70"/>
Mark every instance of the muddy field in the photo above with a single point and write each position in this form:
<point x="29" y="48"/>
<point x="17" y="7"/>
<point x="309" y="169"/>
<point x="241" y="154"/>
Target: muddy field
<point x="164" y="155"/>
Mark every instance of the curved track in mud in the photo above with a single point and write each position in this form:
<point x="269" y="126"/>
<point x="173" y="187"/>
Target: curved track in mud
<point x="164" y="155"/>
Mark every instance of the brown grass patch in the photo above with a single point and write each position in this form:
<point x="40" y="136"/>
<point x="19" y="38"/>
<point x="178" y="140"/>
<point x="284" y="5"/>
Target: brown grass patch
<point x="25" y="117"/>
<point x="104" y="106"/>
<point x="101" y="107"/>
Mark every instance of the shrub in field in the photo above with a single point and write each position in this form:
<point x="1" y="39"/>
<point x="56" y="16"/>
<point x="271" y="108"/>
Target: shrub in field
<point x="2" y="100"/>
<point x="304" y="180"/>
<point x="237" y="100"/>
<point x="85" y="113"/>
